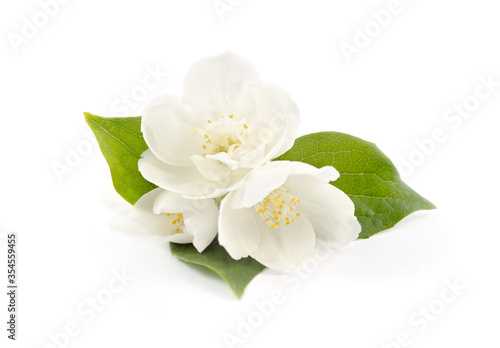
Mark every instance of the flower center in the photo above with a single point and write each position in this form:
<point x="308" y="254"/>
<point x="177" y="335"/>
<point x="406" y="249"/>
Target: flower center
<point x="223" y="135"/>
<point x="278" y="207"/>
<point x="177" y="221"/>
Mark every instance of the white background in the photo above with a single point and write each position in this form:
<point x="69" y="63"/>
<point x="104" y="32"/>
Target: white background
<point x="394" y="92"/>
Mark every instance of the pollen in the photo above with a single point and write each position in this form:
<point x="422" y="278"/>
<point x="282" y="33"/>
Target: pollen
<point x="218" y="139"/>
<point x="277" y="208"/>
<point x="177" y="221"/>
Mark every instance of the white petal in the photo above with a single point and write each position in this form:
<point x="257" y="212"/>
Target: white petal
<point x="180" y="238"/>
<point x="171" y="202"/>
<point x="221" y="83"/>
<point x="330" y="210"/>
<point x="286" y="247"/>
<point x="211" y="168"/>
<point x="238" y="230"/>
<point x="255" y="158"/>
<point x="276" y="119"/>
<point x="184" y="180"/>
<point x="167" y="129"/>
<point x="326" y="173"/>
<point x="224" y="127"/>
<point x="203" y="225"/>
<point x="260" y="183"/>
<point x="199" y="215"/>
<point x="142" y="213"/>
<point x="224" y="159"/>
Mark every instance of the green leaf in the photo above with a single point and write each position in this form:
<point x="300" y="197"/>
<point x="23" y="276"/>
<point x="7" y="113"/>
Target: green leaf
<point x="122" y="144"/>
<point x="236" y="273"/>
<point x="367" y="176"/>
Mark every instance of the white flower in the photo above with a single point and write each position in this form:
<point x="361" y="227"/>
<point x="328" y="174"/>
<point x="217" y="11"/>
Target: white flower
<point x="281" y="210"/>
<point x="176" y="218"/>
<point x="226" y="124"/>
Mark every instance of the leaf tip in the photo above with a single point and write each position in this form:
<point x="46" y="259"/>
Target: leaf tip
<point x="87" y="115"/>
<point x="89" y="118"/>
<point x="428" y="204"/>
<point x="238" y="295"/>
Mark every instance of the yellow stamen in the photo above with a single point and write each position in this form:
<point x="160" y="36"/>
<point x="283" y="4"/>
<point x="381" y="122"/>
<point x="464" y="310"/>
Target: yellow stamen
<point x="282" y="204"/>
